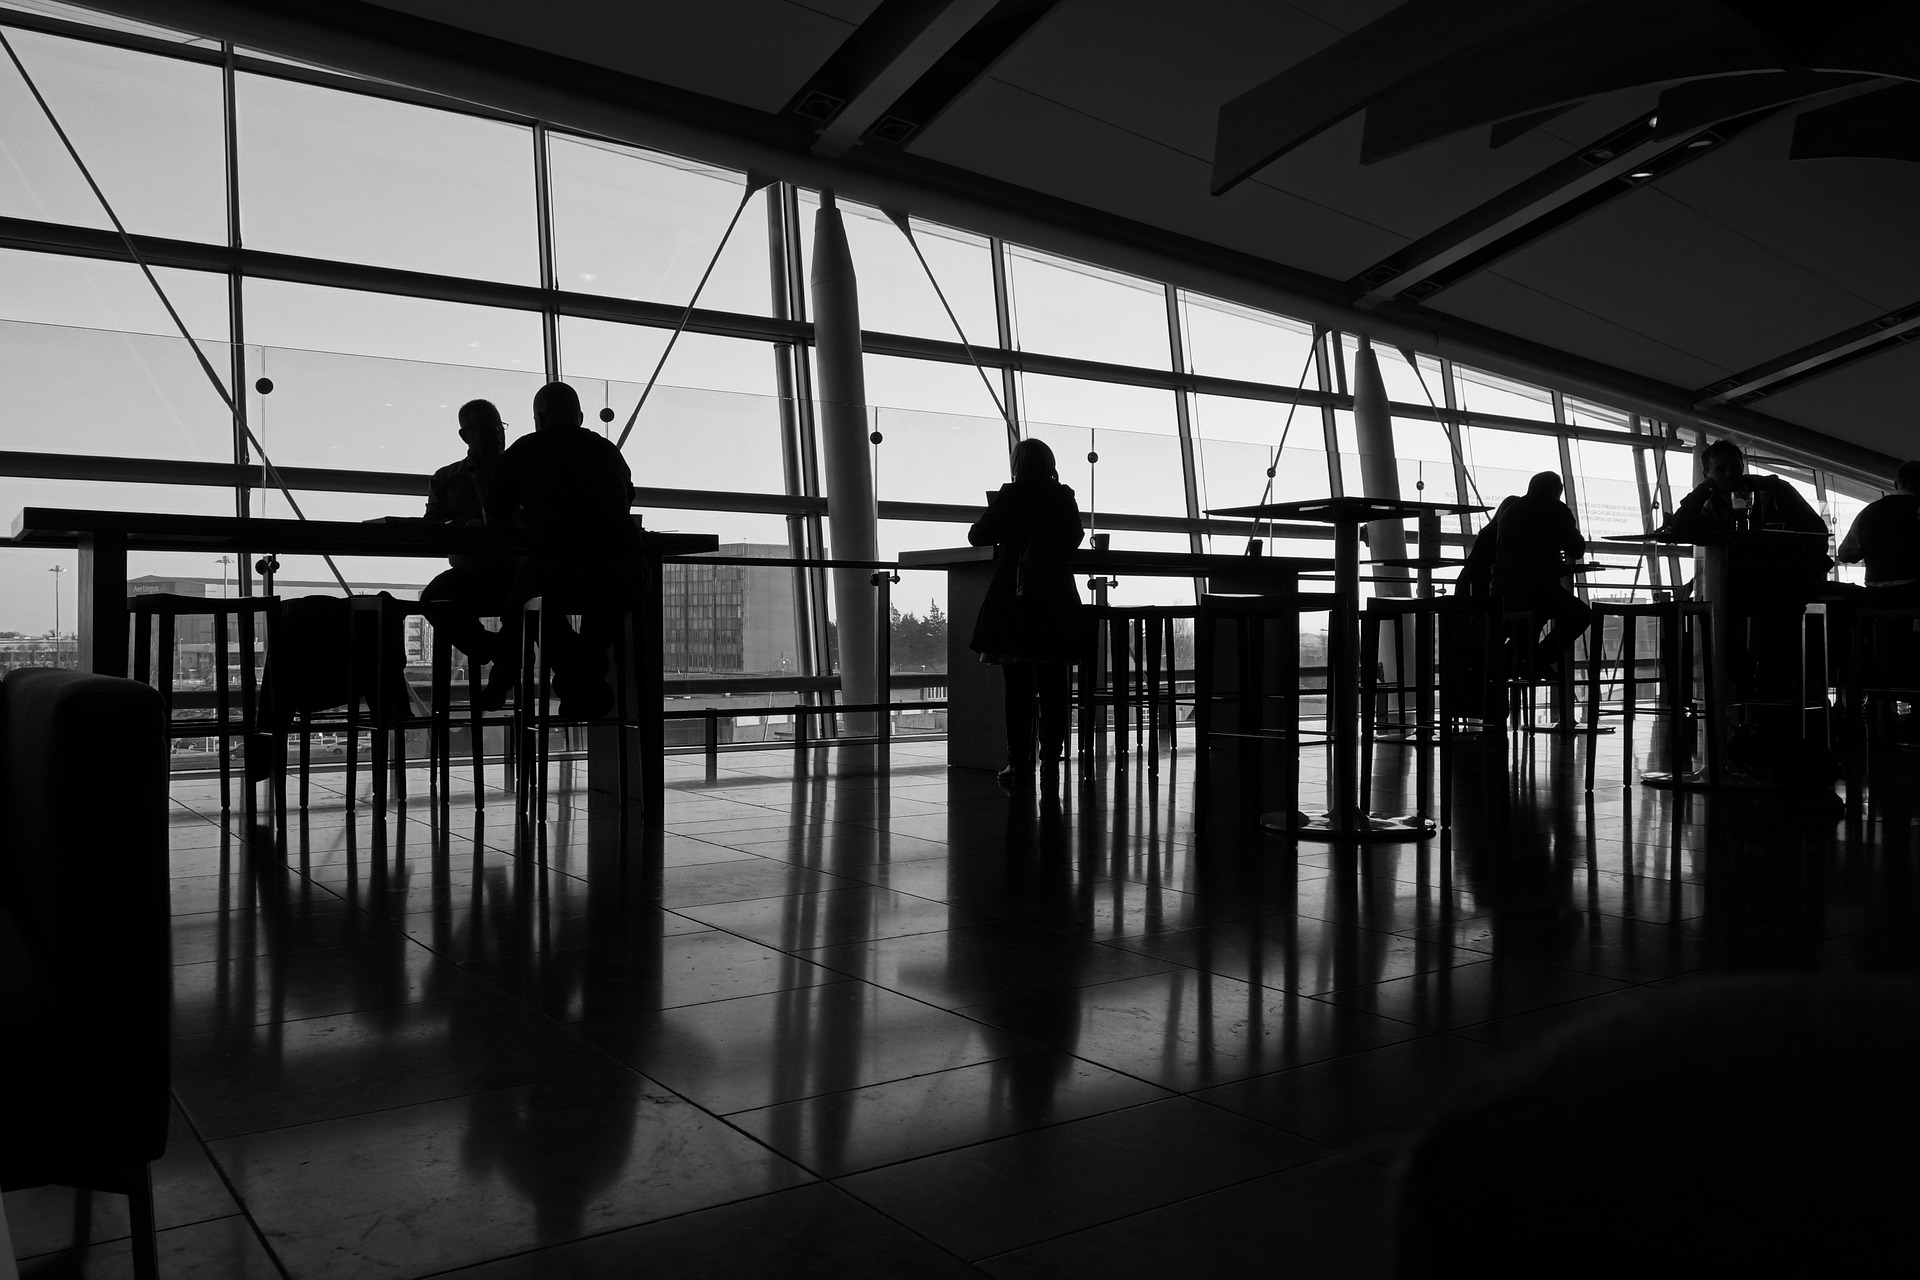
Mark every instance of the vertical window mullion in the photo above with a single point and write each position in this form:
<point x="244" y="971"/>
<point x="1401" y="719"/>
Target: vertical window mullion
<point x="1183" y="418"/>
<point x="1329" y="426"/>
<point x="1003" y="323"/>
<point x="543" y="224"/>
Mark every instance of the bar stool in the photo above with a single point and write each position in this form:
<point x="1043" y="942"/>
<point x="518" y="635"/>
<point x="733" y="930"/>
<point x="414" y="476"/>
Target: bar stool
<point x="1248" y="698"/>
<point x="535" y="717"/>
<point x="252" y="615"/>
<point x="1448" y="630"/>
<point x="1140" y="680"/>
<point x="1882" y="668"/>
<point x="379" y="623"/>
<point x="1681" y="628"/>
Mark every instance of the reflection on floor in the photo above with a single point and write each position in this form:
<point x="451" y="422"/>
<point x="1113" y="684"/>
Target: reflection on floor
<point x="831" y="1024"/>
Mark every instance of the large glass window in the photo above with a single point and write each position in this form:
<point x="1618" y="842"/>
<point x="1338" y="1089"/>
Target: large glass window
<point x="91" y="363"/>
<point x="327" y="174"/>
<point x="635" y="224"/>
<point x="372" y="382"/>
<point x="1067" y="308"/>
<point x="1224" y="340"/>
<point x="895" y="294"/>
<point x="149" y="129"/>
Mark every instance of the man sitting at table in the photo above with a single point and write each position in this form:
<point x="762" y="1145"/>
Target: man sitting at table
<point x="1535" y="537"/>
<point x="1886" y="535"/>
<point x="1768" y="585"/>
<point x="456" y="495"/>
<point x="573" y="492"/>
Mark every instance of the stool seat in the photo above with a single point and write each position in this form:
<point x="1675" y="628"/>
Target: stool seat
<point x="247" y="613"/>
<point x="1139" y="682"/>
<point x="1682" y="627"/>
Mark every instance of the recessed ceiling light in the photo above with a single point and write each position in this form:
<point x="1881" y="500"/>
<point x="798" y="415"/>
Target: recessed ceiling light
<point x="1653" y="122"/>
<point x="1697" y="143"/>
<point x="1641" y="173"/>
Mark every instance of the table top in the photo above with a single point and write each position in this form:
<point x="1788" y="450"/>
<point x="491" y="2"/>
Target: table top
<point x="1719" y="537"/>
<point x="1345" y="510"/>
<point x="1173" y="564"/>
<point x="171" y="531"/>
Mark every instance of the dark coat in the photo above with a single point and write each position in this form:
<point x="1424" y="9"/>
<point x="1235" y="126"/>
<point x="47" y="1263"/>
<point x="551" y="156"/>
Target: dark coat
<point x="1041" y="626"/>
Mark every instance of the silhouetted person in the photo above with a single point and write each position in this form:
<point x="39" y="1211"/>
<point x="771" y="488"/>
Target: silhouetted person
<point x="1886" y="535"/>
<point x="573" y="493"/>
<point x="1767" y="585"/>
<point x="456" y="495"/>
<point x="1029" y="623"/>
<point x="1535" y="537"/>
<point x="1476" y="571"/>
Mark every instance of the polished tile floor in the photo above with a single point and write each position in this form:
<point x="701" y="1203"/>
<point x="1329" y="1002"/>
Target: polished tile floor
<point x="831" y="1024"/>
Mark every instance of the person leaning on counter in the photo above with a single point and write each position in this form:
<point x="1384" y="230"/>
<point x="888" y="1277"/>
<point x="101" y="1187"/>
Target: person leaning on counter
<point x="1768" y="586"/>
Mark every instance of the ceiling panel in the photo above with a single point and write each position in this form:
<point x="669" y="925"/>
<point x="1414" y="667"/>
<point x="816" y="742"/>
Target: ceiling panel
<point x="1870" y="403"/>
<point x="1850" y="221"/>
<point x="1658" y="267"/>
<point x="754" y="52"/>
<point x="1076" y="157"/>
<point x="1493" y="300"/>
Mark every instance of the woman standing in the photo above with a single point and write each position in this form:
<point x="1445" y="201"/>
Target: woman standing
<point x="1030" y="621"/>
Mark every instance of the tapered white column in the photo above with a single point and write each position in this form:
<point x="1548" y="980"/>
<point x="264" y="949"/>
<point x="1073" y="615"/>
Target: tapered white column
<point x="852" y="524"/>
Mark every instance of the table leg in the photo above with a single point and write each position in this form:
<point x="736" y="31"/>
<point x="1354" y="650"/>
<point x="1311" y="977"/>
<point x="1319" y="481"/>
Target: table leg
<point x="1347" y="818"/>
<point x="102" y="625"/>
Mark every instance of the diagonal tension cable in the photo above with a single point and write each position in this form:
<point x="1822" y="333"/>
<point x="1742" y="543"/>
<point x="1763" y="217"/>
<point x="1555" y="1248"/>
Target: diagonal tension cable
<point x="901" y="219"/>
<point x="1446" y="425"/>
<point x="133" y="250"/>
<point x="1273" y="464"/>
<point x="755" y="182"/>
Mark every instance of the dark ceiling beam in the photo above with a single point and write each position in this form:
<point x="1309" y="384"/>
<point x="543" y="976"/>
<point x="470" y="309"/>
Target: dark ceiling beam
<point x="367" y="40"/>
<point x="1691" y="121"/>
<point x="885" y="56"/>
<point x="1325" y="88"/>
<point x="1816" y="358"/>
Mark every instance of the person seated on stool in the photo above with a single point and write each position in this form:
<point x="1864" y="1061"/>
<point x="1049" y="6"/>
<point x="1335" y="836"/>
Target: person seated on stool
<point x="1768" y="588"/>
<point x="1029" y="623"/>
<point x="456" y="495"/>
<point x="1886" y="535"/>
<point x="1535" y="537"/>
<point x="573" y="492"/>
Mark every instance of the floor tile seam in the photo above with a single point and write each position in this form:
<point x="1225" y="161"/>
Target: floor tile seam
<point x="1168" y="1096"/>
<point x="612" y="1065"/>
<point x="227" y="1182"/>
<point x="95" y="1241"/>
<point x="1331" y="1154"/>
<point x="467" y="1268"/>
<point x="800" y="954"/>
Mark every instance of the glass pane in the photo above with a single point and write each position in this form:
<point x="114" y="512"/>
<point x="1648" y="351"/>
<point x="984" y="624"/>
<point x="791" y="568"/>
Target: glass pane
<point x="628" y="353"/>
<point x="1607" y="489"/>
<point x="150" y="129"/>
<point x="936" y="388"/>
<point x="1225" y="340"/>
<point x="85" y="346"/>
<point x="939" y="457"/>
<point x="327" y="174"/>
<point x="1404" y="384"/>
<point x="1071" y="309"/>
<point x="1488" y="393"/>
<point x="1582" y="414"/>
<point x="895" y="294"/>
<point x="1425" y="461"/>
<point x="1136" y="474"/>
<point x="693" y="437"/>
<point x="1233" y="473"/>
<point x="1502" y="462"/>
<point x="636" y="224"/>
<point x="1079" y="402"/>
<point x="367" y="381"/>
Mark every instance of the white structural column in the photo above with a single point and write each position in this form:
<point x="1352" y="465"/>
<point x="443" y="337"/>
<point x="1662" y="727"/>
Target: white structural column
<point x="1379" y="467"/>
<point x="1380" y="478"/>
<point x="851" y="518"/>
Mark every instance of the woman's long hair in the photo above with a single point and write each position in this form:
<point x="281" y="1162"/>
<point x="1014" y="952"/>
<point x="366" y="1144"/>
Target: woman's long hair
<point x="1033" y="460"/>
